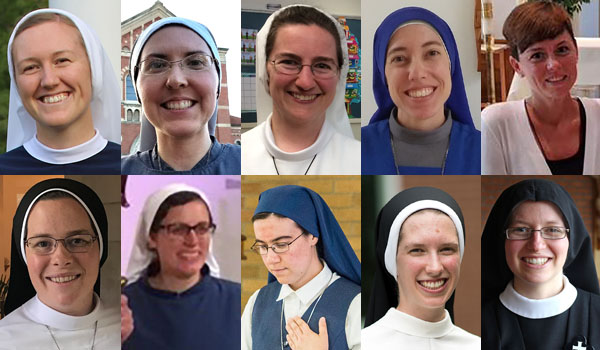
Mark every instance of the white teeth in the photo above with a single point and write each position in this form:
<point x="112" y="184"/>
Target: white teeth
<point x="179" y="104"/>
<point x="55" y="98"/>
<point x="432" y="285"/>
<point x="304" y="97"/>
<point x="420" y="92"/>
<point x="553" y="80"/>
<point x="536" y="261"/>
<point x="62" y="279"/>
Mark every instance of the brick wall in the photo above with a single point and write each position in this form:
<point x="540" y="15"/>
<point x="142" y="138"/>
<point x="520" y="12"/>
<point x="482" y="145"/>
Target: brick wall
<point x="342" y="194"/>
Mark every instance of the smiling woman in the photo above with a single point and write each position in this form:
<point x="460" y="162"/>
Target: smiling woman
<point x="423" y="124"/>
<point x="419" y="247"/>
<point x="301" y="64"/>
<point x="177" y="78"/>
<point x="59" y="244"/>
<point x="64" y="96"/>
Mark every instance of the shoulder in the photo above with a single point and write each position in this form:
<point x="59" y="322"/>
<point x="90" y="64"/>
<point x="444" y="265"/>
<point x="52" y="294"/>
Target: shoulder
<point x="375" y="129"/>
<point x="17" y="161"/>
<point x="112" y="147"/>
<point x="226" y="160"/>
<point x="253" y="135"/>
<point x="592" y="109"/>
<point x="502" y="111"/>
<point x="138" y="163"/>
<point x="227" y="287"/>
<point x="465" y="337"/>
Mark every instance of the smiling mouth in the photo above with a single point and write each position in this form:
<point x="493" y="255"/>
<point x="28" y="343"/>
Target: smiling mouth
<point x="556" y="79"/>
<point x="63" y="279"/>
<point x="54" y="98"/>
<point x="178" y="105"/>
<point x="433" y="285"/>
<point x="302" y="97"/>
<point x="536" y="261"/>
<point x="418" y="93"/>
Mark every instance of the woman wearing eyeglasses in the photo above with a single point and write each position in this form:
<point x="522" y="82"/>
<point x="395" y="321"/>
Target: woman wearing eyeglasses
<point x="59" y="244"/>
<point x="176" y="74"/>
<point x="540" y="287"/>
<point x="301" y="67"/>
<point x="312" y="300"/>
<point x="173" y="299"/>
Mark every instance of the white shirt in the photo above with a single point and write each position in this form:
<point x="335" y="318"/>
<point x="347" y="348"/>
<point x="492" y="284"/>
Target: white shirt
<point x="399" y="330"/>
<point x="26" y="328"/>
<point x="509" y="147"/>
<point x="333" y="154"/>
<point x="297" y="302"/>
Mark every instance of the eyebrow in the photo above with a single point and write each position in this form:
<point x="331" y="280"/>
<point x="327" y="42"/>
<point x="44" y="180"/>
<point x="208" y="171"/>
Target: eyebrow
<point x="420" y="245"/>
<point x="298" y="58"/>
<point x="165" y="56"/>
<point x="425" y="44"/>
<point x="518" y="221"/>
<point x="537" y="48"/>
<point x="274" y="240"/>
<point x="67" y="235"/>
<point x="54" y="54"/>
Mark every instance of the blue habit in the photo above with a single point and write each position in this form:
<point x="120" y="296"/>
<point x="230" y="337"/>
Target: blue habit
<point x="464" y="152"/>
<point x="19" y="162"/>
<point x="206" y="316"/>
<point x="268" y="327"/>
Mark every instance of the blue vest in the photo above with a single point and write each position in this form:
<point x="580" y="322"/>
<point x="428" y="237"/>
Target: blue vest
<point x="267" y="327"/>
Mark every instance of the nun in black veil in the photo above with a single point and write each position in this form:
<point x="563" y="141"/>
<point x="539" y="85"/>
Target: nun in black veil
<point x="419" y="247"/>
<point x="540" y="287"/>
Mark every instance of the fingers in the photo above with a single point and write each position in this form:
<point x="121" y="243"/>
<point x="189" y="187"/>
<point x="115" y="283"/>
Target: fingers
<point x="293" y="326"/>
<point x="322" y="327"/>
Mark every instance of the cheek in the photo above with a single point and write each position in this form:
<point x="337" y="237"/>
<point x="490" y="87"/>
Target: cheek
<point x="452" y="264"/>
<point x="35" y="267"/>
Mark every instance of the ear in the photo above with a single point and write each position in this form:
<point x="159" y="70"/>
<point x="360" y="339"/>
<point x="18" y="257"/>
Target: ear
<point x="516" y="65"/>
<point x="313" y="240"/>
<point x="152" y="242"/>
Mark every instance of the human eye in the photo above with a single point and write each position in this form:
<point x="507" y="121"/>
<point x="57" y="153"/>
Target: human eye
<point x="79" y="241"/>
<point x="448" y="250"/>
<point x="155" y="65"/>
<point x="30" y="69"/>
<point x="42" y="243"/>
<point x="398" y="59"/>
<point x="536" y="57"/>
<point x="177" y="229"/>
<point x="197" y="62"/>
<point x="62" y="61"/>
<point x="433" y="53"/>
<point x="564" y="50"/>
<point x="280" y="246"/>
<point x="416" y="251"/>
<point x="323" y="66"/>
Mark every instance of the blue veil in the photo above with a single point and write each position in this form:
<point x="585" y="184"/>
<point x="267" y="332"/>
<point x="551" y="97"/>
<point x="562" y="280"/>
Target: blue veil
<point x="457" y="102"/>
<point x="307" y="209"/>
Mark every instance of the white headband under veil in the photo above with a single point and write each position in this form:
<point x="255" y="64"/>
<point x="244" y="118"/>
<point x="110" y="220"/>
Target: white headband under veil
<point x="140" y="256"/>
<point x="106" y="99"/>
<point x="336" y="112"/>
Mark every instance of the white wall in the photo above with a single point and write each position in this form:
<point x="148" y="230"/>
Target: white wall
<point x="589" y="19"/>
<point x="459" y="15"/>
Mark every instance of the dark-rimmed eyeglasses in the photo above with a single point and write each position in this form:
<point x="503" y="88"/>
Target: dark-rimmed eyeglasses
<point x="193" y="63"/>
<point x="320" y="70"/>
<point x="44" y="245"/>
<point x="522" y="233"/>
<point x="277" y="248"/>
<point x="180" y="230"/>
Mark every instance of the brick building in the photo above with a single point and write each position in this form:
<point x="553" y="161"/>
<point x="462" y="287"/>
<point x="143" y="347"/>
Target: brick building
<point x="228" y="127"/>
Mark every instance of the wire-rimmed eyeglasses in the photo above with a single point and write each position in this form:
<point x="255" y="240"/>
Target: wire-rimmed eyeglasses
<point x="320" y="70"/>
<point x="197" y="62"/>
<point x="277" y="248"/>
<point x="46" y="245"/>
<point x="522" y="233"/>
<point x="180" y="230"/>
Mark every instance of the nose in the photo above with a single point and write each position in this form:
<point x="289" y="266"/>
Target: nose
<point x="536" y="242"/>
<point x="61" y="256"/>
<point x="416" y="70"/>
<point x="434" y="265"/>
<point x="271" y="257"/>
<point x="176" y="77"/>
<point x="49" y="78"/>
<point x="191" y="237"/>
<point x="305" y="79"/>
<point x="552" y="63"/>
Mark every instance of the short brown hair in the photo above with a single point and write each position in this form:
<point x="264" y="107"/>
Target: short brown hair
<point x="535" y="21"/>
<point x="303" y="15"/>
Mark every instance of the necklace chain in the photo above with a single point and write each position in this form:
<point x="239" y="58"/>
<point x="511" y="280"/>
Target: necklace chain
<point x="394" y="153"/>
<point x="93" y="338"/>
<point x="306" y="172"/>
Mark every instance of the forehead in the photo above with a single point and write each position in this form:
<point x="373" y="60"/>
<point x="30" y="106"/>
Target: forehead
<point x="425" y="227"/>
<point x="174" y="40"/>
<point x="35" y="41"/>
<point x="304" y="40"/>
<point x="56" y="215"/>
<point x="191" y="213"/>
<point x="274" y="227"/>
<point x="413" y="36"/>
<point x="551" y="43"/>
<point x="543" y="211"/>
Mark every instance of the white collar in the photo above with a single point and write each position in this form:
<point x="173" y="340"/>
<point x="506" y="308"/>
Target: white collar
<point x="74" y="154"/>
<point x="539" y="308"/>
<point x="322" y="140"/>
<point x="405" y="323"/>
<point x="312" y="288"/>
<point x="39" y="312"/>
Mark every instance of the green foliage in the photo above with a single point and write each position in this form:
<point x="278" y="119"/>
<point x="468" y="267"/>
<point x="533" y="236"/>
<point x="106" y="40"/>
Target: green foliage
<point x="572" y="6"/>
<point x="11" y="13"/>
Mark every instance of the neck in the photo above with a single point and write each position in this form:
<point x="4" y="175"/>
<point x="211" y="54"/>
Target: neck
<point x="80" y="308"/>
<point x="421" y="124"/>
<point x="552" y="111"/>
<point x="168" y="282"/>
<point x="425" y="314"/>
<point x="538" y="290"/>
<point x="315" y="268"/>
<point x="294" y="137"/>
<point x="80" y="131"/>
<point x="183" y="153"/>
